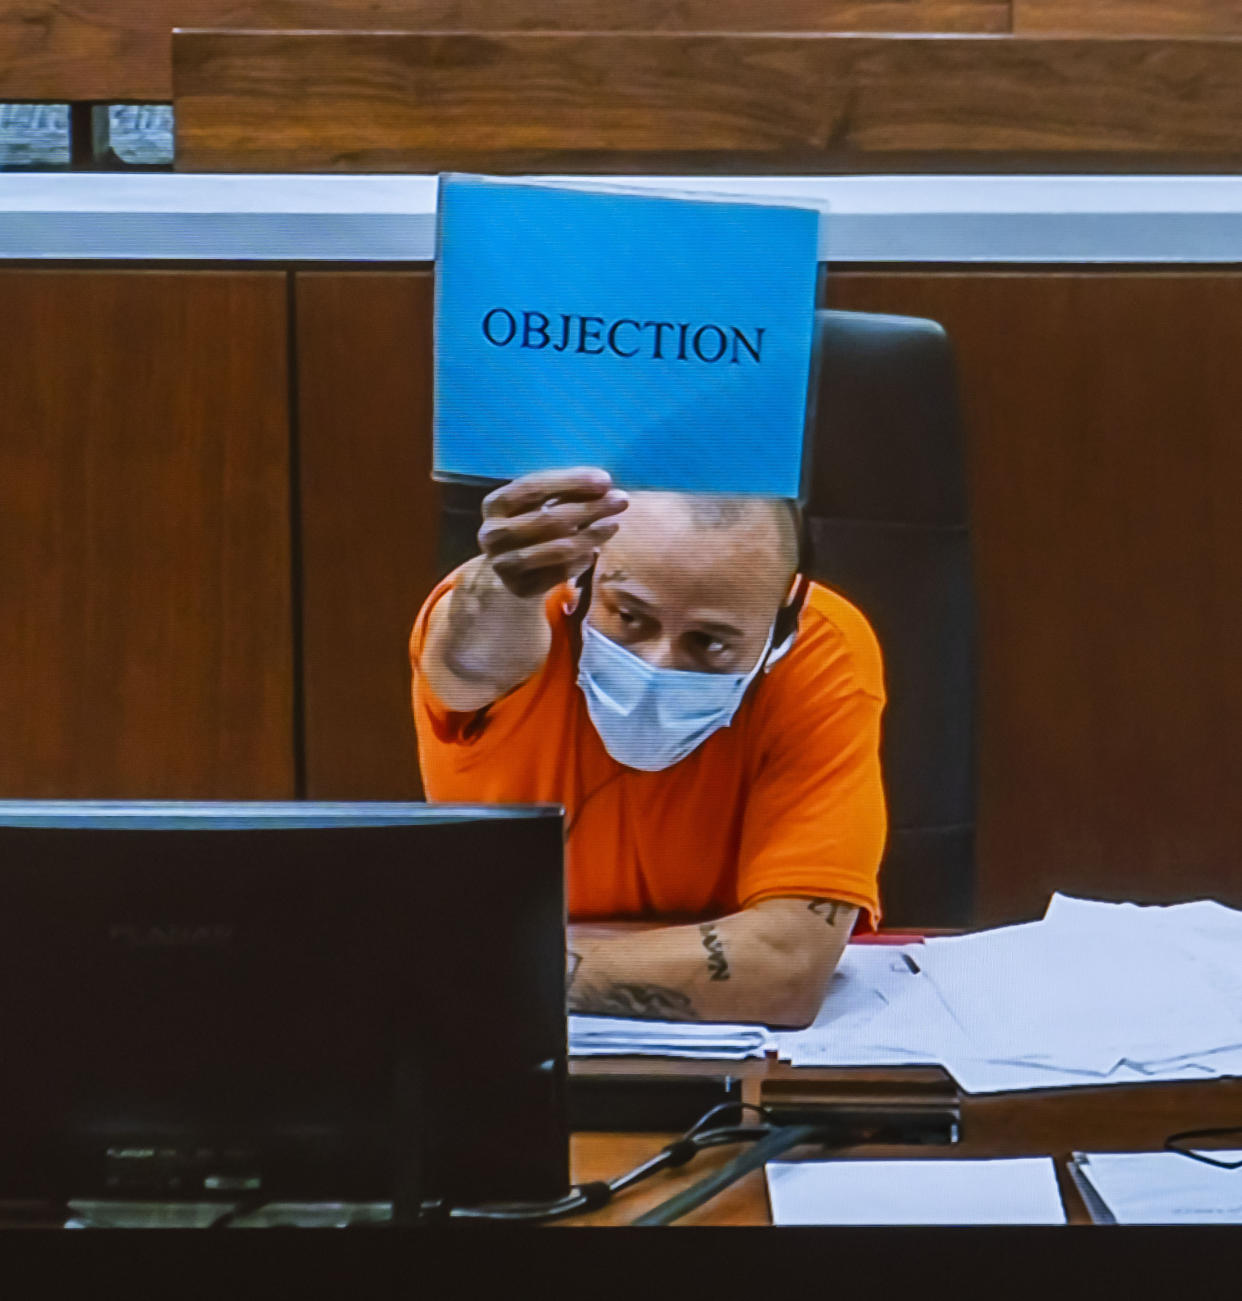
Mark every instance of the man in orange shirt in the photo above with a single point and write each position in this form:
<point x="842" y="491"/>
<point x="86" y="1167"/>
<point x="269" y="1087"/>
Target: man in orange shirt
<point x="709" y="719"/>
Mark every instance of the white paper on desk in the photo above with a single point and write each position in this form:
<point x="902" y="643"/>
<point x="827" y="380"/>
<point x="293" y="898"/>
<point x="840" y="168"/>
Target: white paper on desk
<point x="868" y="979"/>
<point x="884" y="1014"/>
<point x="1165" y="1188"/>
<point x="1206" y="932"/>
<point x="1212" y="935"/>
<point x="1079" y="996"/>
<point x="1207" y="935"/>
<point x="1011" y="1191"/>
<point x="978" y="1075"/>
<point x="613" y="1036"/>
<point x="912" y="1027"/>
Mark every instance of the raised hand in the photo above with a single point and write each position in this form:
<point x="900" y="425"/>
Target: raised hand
<point x="546" y="528"/>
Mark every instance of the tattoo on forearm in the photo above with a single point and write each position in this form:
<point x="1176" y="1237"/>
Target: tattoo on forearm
<point x="630" y="999"/>
<point x="825" y="908"/>
<point x="717" y="963"/>
<point x="572" y="963"/>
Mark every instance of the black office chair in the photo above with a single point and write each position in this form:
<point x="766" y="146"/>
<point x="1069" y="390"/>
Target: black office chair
<point x="886" y="526"/>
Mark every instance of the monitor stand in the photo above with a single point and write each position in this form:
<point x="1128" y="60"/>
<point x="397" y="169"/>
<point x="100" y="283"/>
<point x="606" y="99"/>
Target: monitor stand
<point x="406" y="1210"/>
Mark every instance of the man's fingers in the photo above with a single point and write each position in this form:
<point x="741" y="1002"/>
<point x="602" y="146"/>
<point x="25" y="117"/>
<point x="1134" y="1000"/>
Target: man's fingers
<point x="584" y="482"/>
<point x="545" y="528"/>
<point x="535" y="582"/>
<point x="559" y="553"/>
<point x="509" y="533"/>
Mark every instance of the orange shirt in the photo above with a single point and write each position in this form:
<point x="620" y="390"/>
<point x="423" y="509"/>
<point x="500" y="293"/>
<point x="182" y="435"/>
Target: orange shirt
<point x="787" y="800"/>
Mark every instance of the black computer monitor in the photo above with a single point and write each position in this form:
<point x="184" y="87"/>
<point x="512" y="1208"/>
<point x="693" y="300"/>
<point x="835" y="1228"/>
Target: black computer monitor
<point x="282" y="1001"/>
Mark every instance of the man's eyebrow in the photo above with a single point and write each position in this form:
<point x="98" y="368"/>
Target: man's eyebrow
<point x="715" y="625"/>
<point x="719" y="627"/>
<point x="626" y="593"/>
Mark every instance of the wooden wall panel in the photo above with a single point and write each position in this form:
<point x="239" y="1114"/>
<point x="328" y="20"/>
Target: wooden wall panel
<point x="1129" y="17"/>
<point x="342" y="101"/>
<point x="145" y="616"/>
<point x="1104" y="461"/>
<point x="369" y="518"/>
<point x="120" y="49"/>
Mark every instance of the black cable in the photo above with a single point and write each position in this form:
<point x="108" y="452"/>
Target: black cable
<point x="765" y="1112"/>
<point x="589" y="1197"/>
<point x="1171" y="1145"/>
<point x="592" y="1196"/>
<point x="772" y="1145"/>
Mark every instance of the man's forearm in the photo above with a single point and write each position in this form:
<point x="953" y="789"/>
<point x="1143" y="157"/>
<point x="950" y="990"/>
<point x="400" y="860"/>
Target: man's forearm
<point x="482" y="640"/>
<point x="765" y="965"/>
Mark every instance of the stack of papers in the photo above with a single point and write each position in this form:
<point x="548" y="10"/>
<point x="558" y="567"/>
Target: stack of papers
<point x="932" y="1191"/>
<point x="607" y="1036"/>
<point x="1094" y="993"/>
<point x="1158" y="1188"/>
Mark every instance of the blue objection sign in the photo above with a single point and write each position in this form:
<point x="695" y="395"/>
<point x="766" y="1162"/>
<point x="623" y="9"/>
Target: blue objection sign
<point x="667" y="340"/>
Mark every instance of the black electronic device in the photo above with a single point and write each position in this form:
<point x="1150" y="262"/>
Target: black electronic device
<point x="282" y="1001"/>
<point x="644" y="1102"/>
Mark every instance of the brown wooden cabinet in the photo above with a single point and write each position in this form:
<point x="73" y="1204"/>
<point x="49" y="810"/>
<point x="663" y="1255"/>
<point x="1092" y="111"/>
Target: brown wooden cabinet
<point x="367" y="522"/>
<point x="145" y="609"/>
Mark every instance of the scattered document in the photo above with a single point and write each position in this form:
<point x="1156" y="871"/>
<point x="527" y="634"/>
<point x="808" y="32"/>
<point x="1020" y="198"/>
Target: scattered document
<point x="1092" y="994"/>
<point x="1158" y="1188"/>
<point x="609" y="1036"/>
<point x="877" y="1012"/>
<point x="932" y="1191"/>
<point x="1082" y="992"/>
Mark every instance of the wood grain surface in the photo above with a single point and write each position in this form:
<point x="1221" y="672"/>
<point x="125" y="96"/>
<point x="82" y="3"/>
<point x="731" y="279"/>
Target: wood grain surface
<point x="1129" y="17"/>
<point x="623" y="102"/>
<point x="1104" y="456"/>
<point x="119" y="50"/>
<point x="145" y="612"/>
<point x="368" y="523"/>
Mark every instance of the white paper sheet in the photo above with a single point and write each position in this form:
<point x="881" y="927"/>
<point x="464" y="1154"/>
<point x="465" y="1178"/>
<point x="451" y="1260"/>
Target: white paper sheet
<point x="868" y="979"/>
<point x="611" y="1036"/>
<point x="1079" y="997"/>
<point x="1165" y="1188"/>
<point x="1026" y="1007"/>
<point x="933" y="1191"/>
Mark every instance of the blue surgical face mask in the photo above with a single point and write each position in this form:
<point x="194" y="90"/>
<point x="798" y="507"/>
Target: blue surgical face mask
<point x="651" y="718"/>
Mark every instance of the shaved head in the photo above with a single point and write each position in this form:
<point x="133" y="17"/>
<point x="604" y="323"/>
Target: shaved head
<point x="711" y="511"/>
<point x="694" y="581"/>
